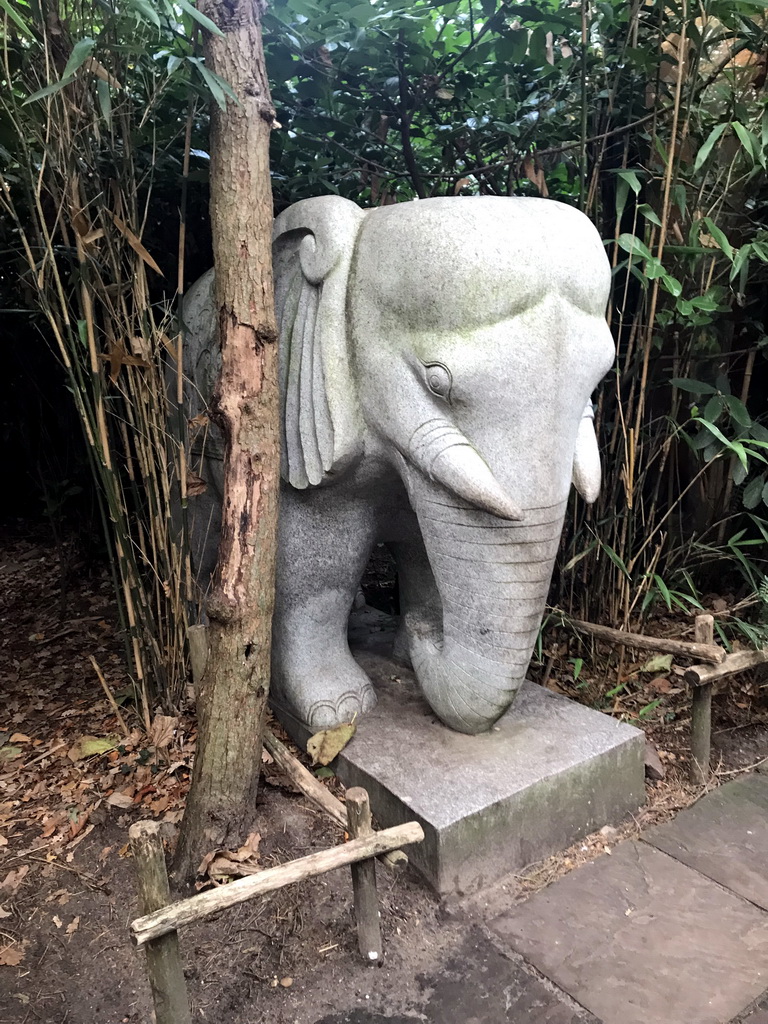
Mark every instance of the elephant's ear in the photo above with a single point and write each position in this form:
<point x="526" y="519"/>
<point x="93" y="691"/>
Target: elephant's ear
<point x="312" y="246"/>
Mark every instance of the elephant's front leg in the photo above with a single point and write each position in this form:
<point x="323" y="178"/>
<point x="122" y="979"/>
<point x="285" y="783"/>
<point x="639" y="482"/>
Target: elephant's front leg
<point x="419" y="597"/>
<point x="325" y="538"/>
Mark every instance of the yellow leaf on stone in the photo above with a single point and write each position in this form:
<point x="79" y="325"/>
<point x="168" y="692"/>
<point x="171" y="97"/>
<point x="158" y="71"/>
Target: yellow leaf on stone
<point x="325" y="745"/>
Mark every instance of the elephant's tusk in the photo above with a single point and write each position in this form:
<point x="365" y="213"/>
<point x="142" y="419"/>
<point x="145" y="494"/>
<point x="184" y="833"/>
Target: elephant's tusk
<point x="465" y="473"/>
<point x="586" y="458"/>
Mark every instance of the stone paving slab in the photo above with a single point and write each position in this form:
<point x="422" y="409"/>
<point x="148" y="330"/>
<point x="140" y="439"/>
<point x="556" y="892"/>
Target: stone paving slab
<point x="724" y="836"/>
<point x="638" y="938"/>
<point x="479" y="985"/>
<point x="758" y="1016"/>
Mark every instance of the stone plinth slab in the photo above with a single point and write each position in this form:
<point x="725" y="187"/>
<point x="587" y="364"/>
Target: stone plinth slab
<point x="638" y="938"/>
<point x="724" y="836"/>
<point x="550" y="772"/>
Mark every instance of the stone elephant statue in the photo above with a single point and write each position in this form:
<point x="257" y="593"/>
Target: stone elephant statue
<point x="437" y="360"/>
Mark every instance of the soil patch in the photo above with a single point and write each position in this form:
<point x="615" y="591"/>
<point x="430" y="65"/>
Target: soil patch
<point x="66" y="877"/>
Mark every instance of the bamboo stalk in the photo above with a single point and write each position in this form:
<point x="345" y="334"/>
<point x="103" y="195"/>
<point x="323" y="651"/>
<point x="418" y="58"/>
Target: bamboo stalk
<point x="110" y="697"/>
<point x="153" y="925"/>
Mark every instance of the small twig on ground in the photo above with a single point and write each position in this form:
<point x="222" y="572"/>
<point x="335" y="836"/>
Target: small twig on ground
<point x="67" y="867"/>
<point x="740" y="771"/>
<point x="42" y="757"/>
<point x="110" y="697"/>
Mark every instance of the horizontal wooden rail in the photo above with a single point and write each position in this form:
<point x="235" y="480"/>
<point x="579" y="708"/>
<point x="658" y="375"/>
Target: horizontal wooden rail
<point x="701" y="675"/>
<point x="710" y="653"/>
<point x="169" y="918"/>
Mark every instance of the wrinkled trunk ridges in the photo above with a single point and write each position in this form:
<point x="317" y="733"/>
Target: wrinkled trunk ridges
<point x="493" y="578"/>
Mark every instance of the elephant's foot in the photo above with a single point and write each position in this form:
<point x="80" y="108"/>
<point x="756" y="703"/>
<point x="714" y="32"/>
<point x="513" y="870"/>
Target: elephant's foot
<point x="327" y="713"/>
<point x="332" y="695"/>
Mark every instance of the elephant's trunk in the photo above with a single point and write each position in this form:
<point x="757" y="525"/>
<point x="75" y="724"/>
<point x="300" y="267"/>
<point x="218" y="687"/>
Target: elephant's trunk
<point x="493" y="578"/>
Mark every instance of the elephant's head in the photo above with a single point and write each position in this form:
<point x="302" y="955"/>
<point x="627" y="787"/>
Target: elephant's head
<point x="461" y="338"/>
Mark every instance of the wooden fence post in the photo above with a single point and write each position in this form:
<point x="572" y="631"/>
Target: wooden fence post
<point x="364" y="878"/>
<point x="701" y="710"/>
<point x="166" y="977"/>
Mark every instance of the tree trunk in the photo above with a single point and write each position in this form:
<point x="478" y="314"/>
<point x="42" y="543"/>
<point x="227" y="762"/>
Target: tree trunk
<point x="233" y="693"/>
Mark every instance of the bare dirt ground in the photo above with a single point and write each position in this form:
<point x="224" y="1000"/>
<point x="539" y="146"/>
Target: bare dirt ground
<point x="73" y="778"/>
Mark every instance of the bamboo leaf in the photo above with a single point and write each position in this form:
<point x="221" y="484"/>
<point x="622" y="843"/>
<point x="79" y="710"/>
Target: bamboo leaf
<point x="105" y="100"/>
<point x="738" y="410"/>
<point x="147" y="10"/>
<point x="746" y="138"/>
<point x="631" y="243"/>
<point x="199" y="17"/>
<point x="47" y="90"/>
<point x="719" y="237"/>
<point x="663" y="590"/>
<point x="577" y="558"/>
<point x="215" y="89"/>
<point x="672" y="285"/>
<point x="135" y="243"/>
<point x="617" y="560"/>
<point x="632" y="180"/>
<point x="741" y="261"/>
<point x="81" y="51"/>
<point x="649" y="213"/>
<point x="696" y="387"/>
<point x="708" y="145"/>
<point x="16" y="18"/>
<point x="753" y="492"/>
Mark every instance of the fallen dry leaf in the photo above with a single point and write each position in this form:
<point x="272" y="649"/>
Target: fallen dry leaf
<point x="658" y="663"/>
<point x="11" y="956"/>
<point x="13" y="880"/>
<point x="20" y="737"/>
<point x="223" y="863"/>
<point x="195" y="484"/>
<point x="162" y="730"/>
<point x="73" y="926"/>
<point x="120" y="800"/>
<point x="87" y="746"/>
<point x="57" y="921"/>
<point x="325" y="745"/>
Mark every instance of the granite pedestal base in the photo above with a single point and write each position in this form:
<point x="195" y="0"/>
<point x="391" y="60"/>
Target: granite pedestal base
<point x="549" y="772"/>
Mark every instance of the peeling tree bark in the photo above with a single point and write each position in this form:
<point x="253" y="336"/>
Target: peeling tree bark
<point x="233" y="693"/>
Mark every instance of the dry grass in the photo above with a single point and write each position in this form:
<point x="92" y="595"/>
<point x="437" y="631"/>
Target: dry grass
<point x="79" y="199"/>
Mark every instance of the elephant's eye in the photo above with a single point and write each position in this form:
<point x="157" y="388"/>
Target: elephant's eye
<point x="439" y="379"/>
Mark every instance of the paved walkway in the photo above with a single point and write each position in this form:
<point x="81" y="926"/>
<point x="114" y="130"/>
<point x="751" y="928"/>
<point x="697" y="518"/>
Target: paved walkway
<point x="669" y="929"/>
